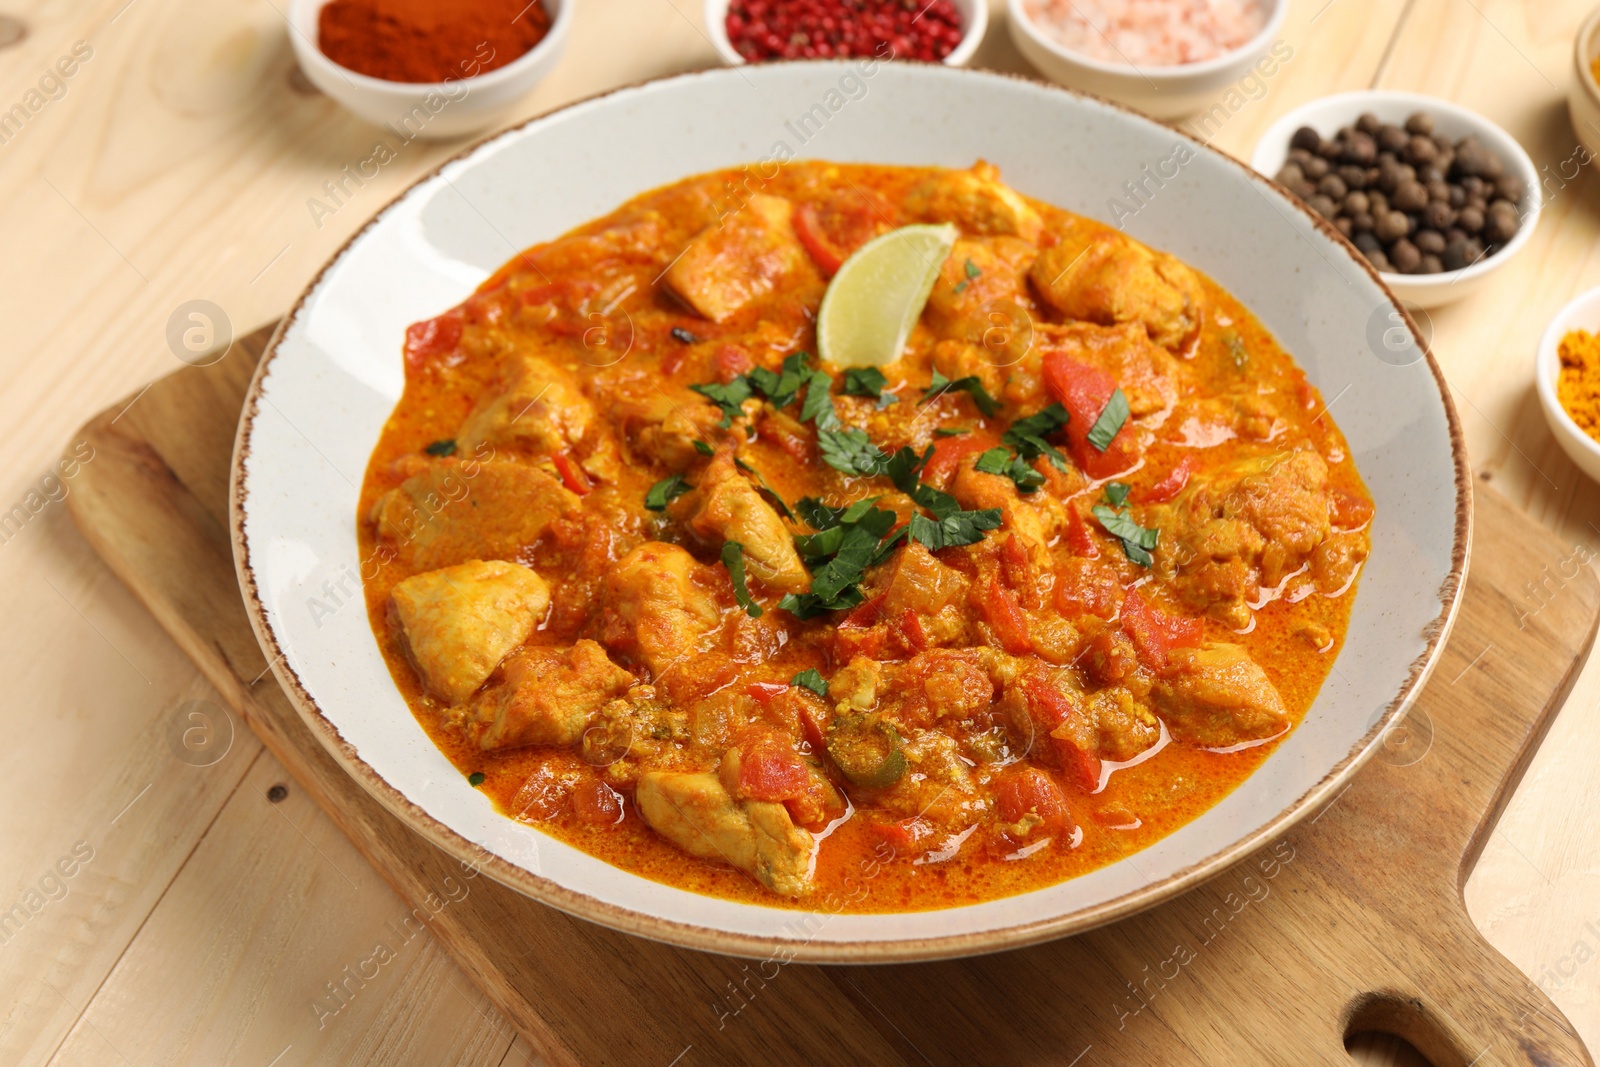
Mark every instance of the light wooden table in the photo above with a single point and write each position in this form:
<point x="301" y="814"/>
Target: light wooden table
<point x="208" y="919"/>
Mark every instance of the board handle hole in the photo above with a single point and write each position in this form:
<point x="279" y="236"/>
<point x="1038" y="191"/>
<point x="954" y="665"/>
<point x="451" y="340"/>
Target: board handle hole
<point x="1392" y="1031"/>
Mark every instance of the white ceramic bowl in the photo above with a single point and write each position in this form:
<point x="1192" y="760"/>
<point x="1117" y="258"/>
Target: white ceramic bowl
<point x="1329" y="113"/>
<point x="1165" y="92"/>
<point x="1583" y="95"/>
<point x="974" y="24"/>
<point x="431" y="111"/>
<point x="334" y="371"/>
<point x="1583" y="313"/>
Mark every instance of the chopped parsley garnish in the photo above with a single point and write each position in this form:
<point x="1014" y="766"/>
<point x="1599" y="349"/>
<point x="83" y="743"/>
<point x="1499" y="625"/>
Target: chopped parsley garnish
<point x="1112" y="416"/>
<point x="835" y="583"/>
<point x="817" y="408"/>
<point x="960" y="528"/>
<point x="446" y="447"/>
<point x="969" y="385"/>
<point x="851" y="539"/>
<point x="733" y="559"/>
<point x="730" y="398"/>
<point x="951" y="431"/>
<point x="1136" y="540"/>
<point x="703" y="448"/>
<point x="812" y="679"/>
<point x="850" y="452"/>
<point x="1028" y="435"/>
<point x="680" y="334"/>
<point x="1116" y="494"/>
<point x="972" y="272"/>
<point x="1009" y="465"/>
<point x="781" y="386"/>
<point x="665" y="492"/>
<point x="475" y="778"/>
<point x="868" y="382"/>
<point x="770" y="494"/>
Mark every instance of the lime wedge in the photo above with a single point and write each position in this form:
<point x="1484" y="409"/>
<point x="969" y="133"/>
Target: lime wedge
<point x="877" y="295"/>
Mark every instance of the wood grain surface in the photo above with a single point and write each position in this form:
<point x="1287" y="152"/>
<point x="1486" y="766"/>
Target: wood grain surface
<point x="177" y="166"/>
<point x="1356" y="918"/>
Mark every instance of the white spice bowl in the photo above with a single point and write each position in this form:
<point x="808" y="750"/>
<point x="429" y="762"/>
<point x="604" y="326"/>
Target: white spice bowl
<point x="1164" y="92"/>
<point x="428" y="110"/>
<point x="1329" y="114"/>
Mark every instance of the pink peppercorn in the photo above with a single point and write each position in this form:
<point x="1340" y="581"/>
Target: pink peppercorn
<point x="795" y="29"/>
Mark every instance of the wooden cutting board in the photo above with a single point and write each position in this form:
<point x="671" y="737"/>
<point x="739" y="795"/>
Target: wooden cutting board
<point x="1353" y="921"/>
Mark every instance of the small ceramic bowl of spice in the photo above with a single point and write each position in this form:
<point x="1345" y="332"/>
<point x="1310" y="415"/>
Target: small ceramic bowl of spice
<point x="936" y="31"/>
<point x="429" y="69"/>
<point x="1567" y="375"/>
<point x="1435" y="196"/>
<point x="1168" y="58"/>
<point x="1583" y="96"/>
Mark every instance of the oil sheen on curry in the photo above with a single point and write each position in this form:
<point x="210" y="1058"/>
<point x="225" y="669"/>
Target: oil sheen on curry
<point x="665" y="584"/>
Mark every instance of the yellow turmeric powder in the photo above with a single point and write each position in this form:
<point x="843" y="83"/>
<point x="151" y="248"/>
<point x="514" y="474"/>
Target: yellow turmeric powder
<point x="1578" y="388"/>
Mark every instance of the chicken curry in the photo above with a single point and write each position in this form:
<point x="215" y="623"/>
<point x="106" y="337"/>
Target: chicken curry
<point x="664" y="583"/>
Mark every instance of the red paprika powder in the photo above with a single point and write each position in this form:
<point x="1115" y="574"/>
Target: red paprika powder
<point x="428" y="40"/>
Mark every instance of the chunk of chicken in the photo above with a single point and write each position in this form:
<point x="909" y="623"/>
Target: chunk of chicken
<point x="460" y="622"/>
<point x="976" y="200"/>
<point x="914" y="581"/>
<point x="545" y="696"/>
<point x="726" y="507"/>
<point x="1036" y="519"/>
<point x="653" y="611"/>
<point x="695" y="812"/>
<point x="452" y="512"/>
<point x="663" y="425"/>
<point x="980" y="271"/>
<point x="1218" y="696"/>
<point x="738" y="259"/>
<point x="1099" y="275"/>
<point x="1147" y="374"/>
<point x="1229" y="534"/>
<point x="536" y="406"/>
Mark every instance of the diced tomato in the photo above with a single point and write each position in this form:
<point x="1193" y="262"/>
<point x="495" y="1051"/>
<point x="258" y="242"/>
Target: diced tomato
<point x="1079" y="538"/>
<point x="1348" y="511"/>
<point x="764" y="692"/>
<point x="1084" y="390"/>
<point x="1072" y="735"/>
<point x="1170" y="485"/>
<point x="948" y="452"/>
<point x="1155" y="632"/>
<point x="867" y="614"/>
<point x="1016" y="567"/>
<point x="831" y="229"/>
<point x="1024" y="791"/>
<point x="781" y="429"/>
<point x="1086" y="587"/>
<point x="905" y="834"/>
<point x="596" y="803"/>
<point x="814" y="719"/>
<point x="730" y="362"/>
<point x="571" y="475"/>
<point x="672" y="359"/>
<point x="910" y="628"/>
<point x="1007" y="619"/>
<point x="426" y="341"/>
<point x="770" y="769"/>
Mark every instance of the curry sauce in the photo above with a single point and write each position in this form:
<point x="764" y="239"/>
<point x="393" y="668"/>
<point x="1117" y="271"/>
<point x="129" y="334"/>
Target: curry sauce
<point x="1104" y="543"/>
